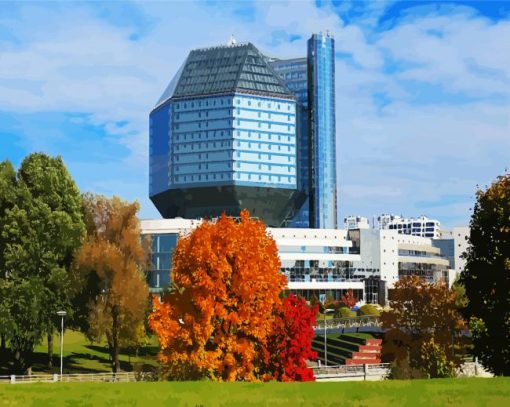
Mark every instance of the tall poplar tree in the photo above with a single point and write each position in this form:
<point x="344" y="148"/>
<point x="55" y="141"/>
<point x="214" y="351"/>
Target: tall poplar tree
<point x="40" y="233"/>
<point x="8" y="185"/>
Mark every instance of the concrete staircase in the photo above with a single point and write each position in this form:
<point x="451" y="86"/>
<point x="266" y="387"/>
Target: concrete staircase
<point x="368" y="352"/>
<point x="349" y="350"/>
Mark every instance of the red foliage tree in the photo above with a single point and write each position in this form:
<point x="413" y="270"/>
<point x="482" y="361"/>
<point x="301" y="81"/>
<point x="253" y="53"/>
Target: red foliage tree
<point x="349" y="299"/>
<point x="290" y="346"/>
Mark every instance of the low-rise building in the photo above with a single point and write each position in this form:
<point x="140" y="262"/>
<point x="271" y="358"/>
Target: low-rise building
<point x="322" y="262"/>
<point x="317" y="262"/>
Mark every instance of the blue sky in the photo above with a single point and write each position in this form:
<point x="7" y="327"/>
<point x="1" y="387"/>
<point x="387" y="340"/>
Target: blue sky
<point x="422" y="90"/>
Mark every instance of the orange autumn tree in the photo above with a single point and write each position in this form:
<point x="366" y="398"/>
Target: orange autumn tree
<point x="216" y="320"/>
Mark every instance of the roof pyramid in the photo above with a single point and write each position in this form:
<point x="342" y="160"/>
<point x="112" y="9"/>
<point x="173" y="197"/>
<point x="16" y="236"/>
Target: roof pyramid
<point x="226" y="69"/>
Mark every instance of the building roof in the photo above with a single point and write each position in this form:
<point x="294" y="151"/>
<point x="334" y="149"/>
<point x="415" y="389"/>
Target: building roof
<point x="225" y="69"/>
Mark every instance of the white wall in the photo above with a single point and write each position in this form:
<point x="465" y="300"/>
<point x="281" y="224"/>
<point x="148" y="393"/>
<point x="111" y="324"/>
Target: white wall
<point x="460" y="236"/>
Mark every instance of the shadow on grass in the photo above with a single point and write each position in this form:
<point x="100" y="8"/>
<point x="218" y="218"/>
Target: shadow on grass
<point x="80" y="362"/>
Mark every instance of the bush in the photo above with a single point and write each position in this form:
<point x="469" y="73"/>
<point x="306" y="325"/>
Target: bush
<point x="368" y="309"/>
<point x="434" y="361"/>
<point x="345" y="312"/>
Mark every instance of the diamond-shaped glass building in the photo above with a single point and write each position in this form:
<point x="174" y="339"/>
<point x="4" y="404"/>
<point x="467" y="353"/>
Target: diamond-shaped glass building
<point x="223" y="138"/>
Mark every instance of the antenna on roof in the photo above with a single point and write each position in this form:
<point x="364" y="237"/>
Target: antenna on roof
<point x="232" y="41"/>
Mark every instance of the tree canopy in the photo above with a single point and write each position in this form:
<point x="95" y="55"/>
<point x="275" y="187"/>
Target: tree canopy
<point x="220" y="313"/>
<point x="486" y="276"/>
<point x="423" y="327"/>
<point x="290" y="345"/>
<point x="42" y="226"/>
<point x="109" y="274"/>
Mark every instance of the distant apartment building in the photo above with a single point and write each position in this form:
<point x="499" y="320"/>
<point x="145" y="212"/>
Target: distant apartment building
<point x="421" y="226"/>
<point x="356" y="222"/>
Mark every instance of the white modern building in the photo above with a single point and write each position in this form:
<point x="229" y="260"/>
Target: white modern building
<point x="322" y="262"/>
<point x="317" y="261"/>
<point x="453" y="244"/>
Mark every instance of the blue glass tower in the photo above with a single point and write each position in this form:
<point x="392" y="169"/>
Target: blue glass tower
<point x="223" y="138"/>
<point x="312" y="80"/>
<point x="321" y="100"/>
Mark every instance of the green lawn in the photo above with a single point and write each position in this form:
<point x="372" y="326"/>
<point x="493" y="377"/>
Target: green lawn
<point x="81" y="356"/>
<point x="456" y="392"/>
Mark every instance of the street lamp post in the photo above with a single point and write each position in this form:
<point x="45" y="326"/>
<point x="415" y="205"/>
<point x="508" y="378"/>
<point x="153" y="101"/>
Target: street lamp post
<point x="62" y="314"/>
<point x="326" y="311"/>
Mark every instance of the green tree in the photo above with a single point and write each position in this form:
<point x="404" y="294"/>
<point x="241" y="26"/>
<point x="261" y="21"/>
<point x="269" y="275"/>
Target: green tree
<point x="109" y="274"/>
<point x="460" y="294"/>
<point x="486" y="276"/>
<point x="8" y="185"/>
<point x="40" y="233"/>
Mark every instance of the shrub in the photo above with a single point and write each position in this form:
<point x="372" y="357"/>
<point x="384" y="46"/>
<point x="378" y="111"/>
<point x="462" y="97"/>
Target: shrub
<point x="368" y="309"/>
<point x="345" y="312"/>
<point x="434" y="361"/>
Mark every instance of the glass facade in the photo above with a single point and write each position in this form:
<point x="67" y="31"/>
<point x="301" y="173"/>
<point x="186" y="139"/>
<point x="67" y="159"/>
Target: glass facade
<point x="159" y="149"/>
<point x="294" y="72"/>
<point x="316" y="271"/>
<point x="163" y="246"/>
<point x="321" y="99"/>
<point x="233" y="140"/>
<point x="226" y="123"/>
<point x="447" y="247"/>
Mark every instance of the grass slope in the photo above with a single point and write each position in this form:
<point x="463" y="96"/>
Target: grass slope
<point x="81" y="356"/>
<point x="458" y="392"/>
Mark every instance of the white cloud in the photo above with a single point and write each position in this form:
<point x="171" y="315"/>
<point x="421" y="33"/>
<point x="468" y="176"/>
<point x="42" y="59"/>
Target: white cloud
<point x="460" y="52"/>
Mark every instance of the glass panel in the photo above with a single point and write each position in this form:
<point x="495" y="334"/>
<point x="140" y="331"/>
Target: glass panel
<point x="225" y="69"/>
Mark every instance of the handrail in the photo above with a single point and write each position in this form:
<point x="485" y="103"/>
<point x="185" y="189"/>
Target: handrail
<point x="352" y="370"/>
<point x="79" y="377"/>
<point x="354" y="322"/>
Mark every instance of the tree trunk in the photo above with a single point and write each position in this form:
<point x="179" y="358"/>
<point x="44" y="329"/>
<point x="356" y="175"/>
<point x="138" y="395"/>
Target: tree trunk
<point x="23" y="360"/>
<point x="17" y="361"/>
<point x="50" y="351"/>
<point x="116" y="362"/>
<point x="2" y="343"/>
<point x="115" y="341"/>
